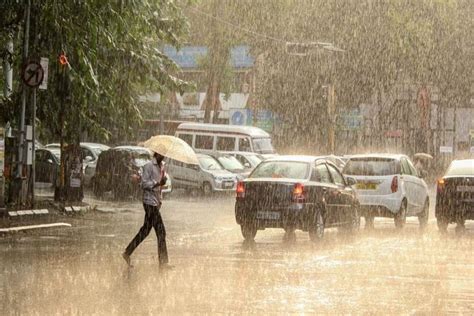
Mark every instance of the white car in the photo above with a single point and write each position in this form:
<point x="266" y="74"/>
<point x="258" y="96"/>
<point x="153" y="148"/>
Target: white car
<point x="388" y="185"/>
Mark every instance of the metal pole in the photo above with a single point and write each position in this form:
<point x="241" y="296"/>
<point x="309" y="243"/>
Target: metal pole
<point x="21" y="146"/>
<point x="33" y="158"/>
<point x="454" y="127"/>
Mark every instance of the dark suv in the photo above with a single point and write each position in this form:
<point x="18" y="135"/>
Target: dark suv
<point x="296" y="192"/>
<point x="118" y="170"/>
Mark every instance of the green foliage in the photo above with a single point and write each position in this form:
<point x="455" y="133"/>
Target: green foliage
<point x="113" y="52"/>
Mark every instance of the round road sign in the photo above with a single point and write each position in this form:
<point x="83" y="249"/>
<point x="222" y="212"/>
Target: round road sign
<point x="32" y="74"/>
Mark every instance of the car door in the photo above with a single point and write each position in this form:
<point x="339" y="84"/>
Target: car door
<point x="419" y="187"/>
<point x="343" y="196"/>
<point x="321" y="174"/>
<point x="410" y="187"/>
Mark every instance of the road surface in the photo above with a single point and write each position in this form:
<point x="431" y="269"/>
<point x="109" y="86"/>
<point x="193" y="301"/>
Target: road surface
<point x="79" y="270"/>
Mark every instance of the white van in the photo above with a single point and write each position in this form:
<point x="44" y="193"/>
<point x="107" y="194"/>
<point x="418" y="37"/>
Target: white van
<point x="217" y="137"/>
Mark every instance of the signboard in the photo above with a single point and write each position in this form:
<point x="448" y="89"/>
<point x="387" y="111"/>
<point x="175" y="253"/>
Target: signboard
<point x="32" y="74"/>
<point x="240" y="117"/>
<point x="264" y="120"/>
<point x="350" y="121"/>
<point x="446" y="149"/>
<point x="44" y="62"/>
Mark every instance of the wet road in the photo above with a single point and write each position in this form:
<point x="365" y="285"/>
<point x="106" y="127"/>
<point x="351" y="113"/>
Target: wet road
<point x="79" y="270"/>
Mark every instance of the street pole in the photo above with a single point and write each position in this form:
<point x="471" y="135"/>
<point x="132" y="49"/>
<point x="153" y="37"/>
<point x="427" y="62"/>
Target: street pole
<point x="33" y="158"/>
<point x="21" y="146"/>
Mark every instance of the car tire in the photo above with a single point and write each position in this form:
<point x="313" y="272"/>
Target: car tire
<point x="248" y="231"/>
<point x="206" y="189"/>
<point x="424" y="215"/>
<point x="401" y="217"/>
<point x="442" y="222"/>
<point x="353" y="222"/>
<point x="369" y="222"/>
<point x="316" y="229"/>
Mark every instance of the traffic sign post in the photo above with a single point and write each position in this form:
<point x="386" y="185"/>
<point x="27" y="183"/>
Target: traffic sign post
<point x="32" y="74"/>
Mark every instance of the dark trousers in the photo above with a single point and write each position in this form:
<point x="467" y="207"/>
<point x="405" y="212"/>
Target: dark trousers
<point x="152" y="219"/>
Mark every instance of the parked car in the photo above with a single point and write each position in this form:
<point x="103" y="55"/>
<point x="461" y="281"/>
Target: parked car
<point x="119" y="170"/>
<point x="90" y="154"/>
<point x="230" y="163"/>
<point x="47" y="162"/>
<point x="296" y="192"/>
<point x="219" y="137"/>
<point x="388" y="186"/>
<point x="247" y="159"/>
<point x="336" y="160"/>
<point x="209" y="176"/>
<point x="455" y="195"/>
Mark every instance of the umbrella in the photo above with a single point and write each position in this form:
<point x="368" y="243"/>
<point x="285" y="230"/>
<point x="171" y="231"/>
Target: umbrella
<point x="423" y="156"/>
<point x="172" y="147"/>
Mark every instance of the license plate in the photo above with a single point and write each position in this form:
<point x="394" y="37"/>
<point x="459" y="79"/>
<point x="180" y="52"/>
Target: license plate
<point x="228" y="185"/>
<point x="366" y="186"/>
<point x="268" y="215"/>
<point x="465" y="188"/>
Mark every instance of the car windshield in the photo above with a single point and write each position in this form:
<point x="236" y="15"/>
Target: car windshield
<point x="254" y="159"/>
<point x="372" y="167"/>
<point x="230" y="163"/>
<point x="141" y="160"/>
<point x="56" y="152"/>
<point x="282" y="169"/>
<point x="461" y="168"/>
<point x="263" y="146"/>
<point x="209" y="163"/>
<point x="97" y="150"/>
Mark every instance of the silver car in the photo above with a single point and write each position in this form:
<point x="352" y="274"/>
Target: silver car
<point x="208" y="176"/>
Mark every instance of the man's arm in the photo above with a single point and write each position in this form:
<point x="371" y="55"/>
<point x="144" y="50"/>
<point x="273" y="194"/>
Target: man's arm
<point x="148" y="183"/>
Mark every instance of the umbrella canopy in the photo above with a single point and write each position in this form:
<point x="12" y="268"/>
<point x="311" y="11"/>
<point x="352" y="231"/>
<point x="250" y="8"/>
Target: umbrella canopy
<point x="172" y="147"/>
<point x="423" y="156"/>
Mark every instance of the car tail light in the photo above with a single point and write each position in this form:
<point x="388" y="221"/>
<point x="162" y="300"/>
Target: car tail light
<point x="299" y="194"/>
<point x="394" y="185"/>
<point x="440" y="185"/>
<point x="240" y="190"/>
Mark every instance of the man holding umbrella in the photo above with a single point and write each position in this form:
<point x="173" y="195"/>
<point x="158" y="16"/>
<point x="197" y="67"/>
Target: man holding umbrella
<point x="153" y="177"/>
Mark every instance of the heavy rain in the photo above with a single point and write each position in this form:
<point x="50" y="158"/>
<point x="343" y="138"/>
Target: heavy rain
<point x="236" y="157"/>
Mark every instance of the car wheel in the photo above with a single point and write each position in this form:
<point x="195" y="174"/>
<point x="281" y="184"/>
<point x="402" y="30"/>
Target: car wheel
<point x="424" y="214"/>
<point x="442" y="222"/>
<point x="316" y="229"/>
<point x="401" y="217"/>
<point x="206" y="189"/>
<point x="369" y="222"/>
<point x="353" y="224"/>
<point x="249" y="231"/>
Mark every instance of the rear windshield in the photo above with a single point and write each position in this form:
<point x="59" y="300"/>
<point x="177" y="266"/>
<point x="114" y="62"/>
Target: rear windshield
<point x="461" y="168"/>
<point x="372" y="167"/>
<point x="281" y="169"/>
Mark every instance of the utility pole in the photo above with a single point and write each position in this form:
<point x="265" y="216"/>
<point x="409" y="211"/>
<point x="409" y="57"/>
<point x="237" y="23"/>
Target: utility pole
<point x="21" y="145"/>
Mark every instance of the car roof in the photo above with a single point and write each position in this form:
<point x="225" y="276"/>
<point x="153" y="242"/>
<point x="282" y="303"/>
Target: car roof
<point x="381" y="155"/>
<point x="222" y="128"/>
<point x="243" y="153"/>
<point x="85" y="144"/>
<point x="296" y="158"/>
<point x="131" y="148"/>
<point x="462" y="163"/>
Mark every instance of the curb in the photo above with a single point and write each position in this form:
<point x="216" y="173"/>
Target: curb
<point x="31" y="227"/>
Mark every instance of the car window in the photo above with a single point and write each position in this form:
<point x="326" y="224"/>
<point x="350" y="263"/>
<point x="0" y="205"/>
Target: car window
<point x="321" y="174"/>
<point x="230" y="163"/>
<point x="405" y="168"/>
<point x="253" y="159"/>
<point x="86" y="152"/>
<point x="336" y="176"/>
<point x="225" y="143"/>
<point x="188" y="138"/>
<point x="412" y="168"/>
<point x="281" y="169"/>
<point x="204" y="142"/>
<point x="372" y="166"/>
<point x="209" y="163"/>
<point x="40" y="157"/>
<point x="244" y="144"/>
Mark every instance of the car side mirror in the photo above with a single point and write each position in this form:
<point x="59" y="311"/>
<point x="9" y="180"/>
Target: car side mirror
<point x="50" y="161"/>
<point x="247" y="165"/>
<point x="351" y="181"/>
<point x="88" y="159"/>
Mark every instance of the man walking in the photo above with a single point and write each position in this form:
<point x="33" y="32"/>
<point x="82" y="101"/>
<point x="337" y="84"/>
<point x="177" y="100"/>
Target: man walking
<point x="153" y="178"/>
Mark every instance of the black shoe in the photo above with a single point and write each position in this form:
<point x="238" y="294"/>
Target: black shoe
<point x="127" y="259"/>
<point x="166" y="267"/>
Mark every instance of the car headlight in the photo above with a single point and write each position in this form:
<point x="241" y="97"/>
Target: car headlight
<point x="219" y="179"/>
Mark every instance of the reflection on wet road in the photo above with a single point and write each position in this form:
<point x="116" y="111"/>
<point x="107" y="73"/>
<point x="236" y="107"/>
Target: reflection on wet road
<point x="79" y="270"/>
